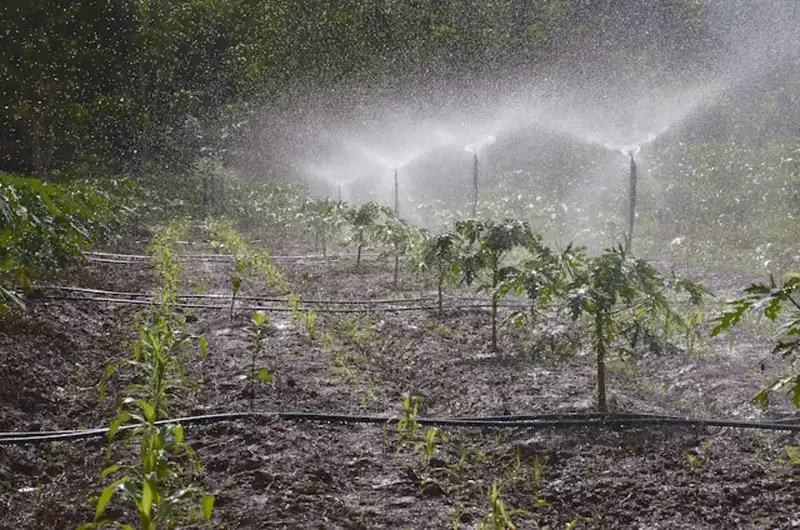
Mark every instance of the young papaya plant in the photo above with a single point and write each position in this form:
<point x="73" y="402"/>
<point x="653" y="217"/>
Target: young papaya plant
<point x="542" y="278"/>
<point x="486" y="244"/>
<point x="620" y="294"/>
<point x="773" y="300"/>
<point x="364" y="225"/>
<point x="443" y="254"/>
<point x="324" y="218"/>
<point x="399" y="237"/>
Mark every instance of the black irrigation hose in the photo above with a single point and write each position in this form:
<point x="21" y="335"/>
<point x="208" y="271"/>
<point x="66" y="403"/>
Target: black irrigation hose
<point x="374" y="308"/>
<point x="278" y="309"/>
<point x="246" y="297"/>
<point x="307" y="301"/>
<point x="131" y="259"/>
<point x="541" y="421"/>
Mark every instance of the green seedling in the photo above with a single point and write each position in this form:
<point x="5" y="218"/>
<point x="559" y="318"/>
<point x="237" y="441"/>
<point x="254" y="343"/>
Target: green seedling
<point x="793" y="455"/>
<point x="408" y="425"/>
<point x="155" y="487"/>
<point x="430" y="443"/>
<point x="307" y="318"/>
<point x="498" y="516"/>
<point x="537" y="473"/>
<point x="357" y="332"/>
<point x="259" y="330"/>
<point x="369" y="394"/>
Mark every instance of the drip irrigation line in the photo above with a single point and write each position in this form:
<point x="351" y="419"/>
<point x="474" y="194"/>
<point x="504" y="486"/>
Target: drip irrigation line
<point x="307" y="301"/>
<point x="385" y="308"/>
<point x="540" y="421"/>
<point x="279" y="309"/>
<point x="132" y="259"/>
<point x="242" y="297"/>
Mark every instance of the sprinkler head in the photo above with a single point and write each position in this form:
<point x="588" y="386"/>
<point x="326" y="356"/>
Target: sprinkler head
<point x="473" y="147"/>
<point x="630" y="150"/>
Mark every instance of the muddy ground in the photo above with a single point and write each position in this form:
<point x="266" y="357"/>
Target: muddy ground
<point x="281" y="474"/>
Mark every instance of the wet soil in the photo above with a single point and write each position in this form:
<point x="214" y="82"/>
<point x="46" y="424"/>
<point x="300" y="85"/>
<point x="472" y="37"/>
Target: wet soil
<point x="281" y="474"/>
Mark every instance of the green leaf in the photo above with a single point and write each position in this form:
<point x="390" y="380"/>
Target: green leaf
<point x="796" y="392"/>
<point x="149" y="411"/>
<point x="207" y="502"/>
<point x="116" y="424"/>
<point x="203" y="346"/>
<point x="110" y="369"/>
<point x="109" y="470"/>
<point x="177" y="433"/>
<point x="259" y="318"/>
<point x="105" y="497"/>
<point x="146" y="502"/>
<point x="263" y="375"/>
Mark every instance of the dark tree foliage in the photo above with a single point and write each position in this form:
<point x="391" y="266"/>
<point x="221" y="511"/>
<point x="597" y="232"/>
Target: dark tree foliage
<point x="133" y="83"/>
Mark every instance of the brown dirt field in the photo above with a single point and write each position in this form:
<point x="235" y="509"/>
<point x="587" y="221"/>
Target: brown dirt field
<point x="281" y="474"/>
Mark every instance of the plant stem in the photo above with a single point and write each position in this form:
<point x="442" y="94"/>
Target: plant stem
<point x="252" y="378"/>
<point x="441" y="294"/>
<point x="495" y="281"/>
<point x="599" y="329"/>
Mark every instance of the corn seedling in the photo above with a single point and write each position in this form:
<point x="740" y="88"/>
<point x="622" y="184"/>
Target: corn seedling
<point x="271" y="274"/>
<point x="369" y="394"/>
<point x="357" y="332"/>
<point x="498" y="516"/>
<point x="537" y="473"/>
<point x="260" y="328"/>
<point x="308" y="318"/>
<point x="793" y="455"/>
<point x="156" y="363"/>
<point x="430" y="443"/>
<point x="408" y="425"/>
<point x="166" y="264"/>
<point x="156" y="486"/>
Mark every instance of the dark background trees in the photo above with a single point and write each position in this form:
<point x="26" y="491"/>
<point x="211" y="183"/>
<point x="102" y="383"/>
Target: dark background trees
<point x="126" y="85"/>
